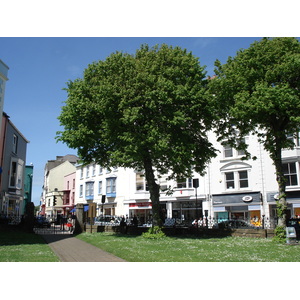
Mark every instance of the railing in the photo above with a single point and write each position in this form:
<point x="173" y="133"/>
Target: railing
<point x="210" y="223"/>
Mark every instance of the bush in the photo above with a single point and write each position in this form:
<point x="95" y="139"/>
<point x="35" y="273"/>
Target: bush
<point x="280" y="234"/>
<point x="154" y="233"/>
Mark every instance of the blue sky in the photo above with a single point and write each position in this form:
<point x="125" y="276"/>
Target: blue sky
<point x="40" y="67"/>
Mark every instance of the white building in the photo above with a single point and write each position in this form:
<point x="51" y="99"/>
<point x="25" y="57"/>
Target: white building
<point x="231" y="188"/>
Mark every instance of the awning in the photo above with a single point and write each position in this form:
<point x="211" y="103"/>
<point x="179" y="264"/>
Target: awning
<point x="73" y="210"/>
<point x="86" y="208"/>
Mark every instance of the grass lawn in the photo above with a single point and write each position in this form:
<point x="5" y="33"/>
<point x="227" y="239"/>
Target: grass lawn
<point x="185" y="249"/>
<point x="19" y="246"/>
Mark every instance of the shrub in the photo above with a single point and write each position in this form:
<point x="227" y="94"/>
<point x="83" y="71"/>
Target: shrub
<point x="154" y="233"/>
<point x="280" y="234"/>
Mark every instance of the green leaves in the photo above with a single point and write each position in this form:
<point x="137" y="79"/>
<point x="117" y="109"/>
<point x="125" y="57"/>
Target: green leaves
<point x="128" y="106"/>
<point x="258" y="92"/>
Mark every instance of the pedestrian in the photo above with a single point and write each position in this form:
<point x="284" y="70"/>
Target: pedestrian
<point x="62" y="223"/>
<point x="123" y="225"/>
<point x="135" y="221"/>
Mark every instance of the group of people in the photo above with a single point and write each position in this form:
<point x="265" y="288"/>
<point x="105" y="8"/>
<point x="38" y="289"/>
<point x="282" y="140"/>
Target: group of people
<point x="201" y="222"/>
<point x="69" y="222"/>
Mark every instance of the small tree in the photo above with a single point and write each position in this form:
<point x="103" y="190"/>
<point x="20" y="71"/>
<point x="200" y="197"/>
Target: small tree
<point x="258" y="91"/>
<point x="147" y="111"/>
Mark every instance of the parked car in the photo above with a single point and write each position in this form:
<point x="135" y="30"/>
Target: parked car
<point x="107" y="220"/>
<point x="235" y="224"/>
<point x="41" y="222"/>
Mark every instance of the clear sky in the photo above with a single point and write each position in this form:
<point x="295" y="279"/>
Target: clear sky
<point x="39" y="69"/>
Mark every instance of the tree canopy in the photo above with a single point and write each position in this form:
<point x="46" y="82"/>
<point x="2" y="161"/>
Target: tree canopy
<point x="259" y="91"/>
<point x="147" y="111"/>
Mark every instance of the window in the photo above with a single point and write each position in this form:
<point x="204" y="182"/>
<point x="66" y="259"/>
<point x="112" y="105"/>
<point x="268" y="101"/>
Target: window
<point x="111" y="187"/>
<point x="16" y="173"/>
<point x="15" y="143"/>
<point x="229" y="177"/>
<point x="236" y="180"/>
<point x="94" y="170"/>
<point x="183" y="183"/>
<point x="13" y="173"/>
<point x="99" y="187"/>
<point x="243" y="179"/>
<point x="231" y="152"/>
<point x="81" y="190"/>
<point x="89" y="190"/>
<point x="73" y="183"/>
<point x="163" y="183"/>
<point x="87" y="171"/>
<point x="228" y="152"/>
<point x="81" y="173"/>
<point x="100" y="170"/>
<point x="290" y="173"/>
<point x="294" y="137"/>
<point x="141" y="183"/>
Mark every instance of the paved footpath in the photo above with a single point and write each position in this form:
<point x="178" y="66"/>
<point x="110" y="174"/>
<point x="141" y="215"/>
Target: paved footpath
<point x="70" y="249"/>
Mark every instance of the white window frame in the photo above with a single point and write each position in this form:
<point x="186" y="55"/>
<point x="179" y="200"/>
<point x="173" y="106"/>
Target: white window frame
<point x="232" y="151"/>
<point x="290" y="174"/>
<point x="140" y="182"/>
<point x="111" y="185"/>
<point x="184" y="183"/>
<point x="81" y="191"/>
<point x="15" y="144"/>
<point x="89" y="189"/>
<point x="236" y="181"/>
<point x="100" y="187"/>
<point x="17" y="175"/>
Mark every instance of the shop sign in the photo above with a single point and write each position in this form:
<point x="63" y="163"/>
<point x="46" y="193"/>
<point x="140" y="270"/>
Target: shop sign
<point x="247" y="198"/>
<point x="142" y="204"/>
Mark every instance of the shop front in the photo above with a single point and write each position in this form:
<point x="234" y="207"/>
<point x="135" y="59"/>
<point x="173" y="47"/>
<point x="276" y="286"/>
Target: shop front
<point x="241" y="206"/>
<point x="141" y="210"/>
<point x="12" y="207"/>
<point x="186" y="211"/>
<point x="293" y="204"/>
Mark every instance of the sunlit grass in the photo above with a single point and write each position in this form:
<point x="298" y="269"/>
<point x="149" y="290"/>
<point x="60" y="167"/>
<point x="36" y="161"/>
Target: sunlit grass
<point x="19" y="246"/>
<point x="184" y="249"/>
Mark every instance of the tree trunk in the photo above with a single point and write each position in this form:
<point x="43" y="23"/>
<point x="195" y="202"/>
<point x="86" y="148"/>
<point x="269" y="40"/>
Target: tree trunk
<point x="154" y="192"/>
<point x="281" y="203"/>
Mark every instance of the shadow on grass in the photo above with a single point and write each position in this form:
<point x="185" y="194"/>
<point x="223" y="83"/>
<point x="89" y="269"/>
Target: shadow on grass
<point x="178" y="233"/>
<point x="16" y="236"/>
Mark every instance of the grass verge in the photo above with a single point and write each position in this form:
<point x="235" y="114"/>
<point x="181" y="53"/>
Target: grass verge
<point x="19" y="246"/>
<point x="190" y="249"/>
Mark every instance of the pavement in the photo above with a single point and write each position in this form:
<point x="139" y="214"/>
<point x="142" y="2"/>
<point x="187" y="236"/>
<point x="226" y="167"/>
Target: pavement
<point x="70" y="249"/>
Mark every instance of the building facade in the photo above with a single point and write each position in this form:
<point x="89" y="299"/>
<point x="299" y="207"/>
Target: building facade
<point x="3" y="78"/>
<point x="232" y="188"/>
<point x="13" y="158"/>
<point x="28" y="179"/>
<point x="52" y="200"/>
<point x="69" y="193"/>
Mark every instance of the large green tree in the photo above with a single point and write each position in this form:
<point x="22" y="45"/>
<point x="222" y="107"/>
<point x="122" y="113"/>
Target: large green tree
<point x="258" y="91"/>
<point x="147" y="111"/>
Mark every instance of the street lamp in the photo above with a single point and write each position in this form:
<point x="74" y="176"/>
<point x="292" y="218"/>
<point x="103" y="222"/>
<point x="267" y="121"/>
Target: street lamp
<point x="196" y="185"/>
